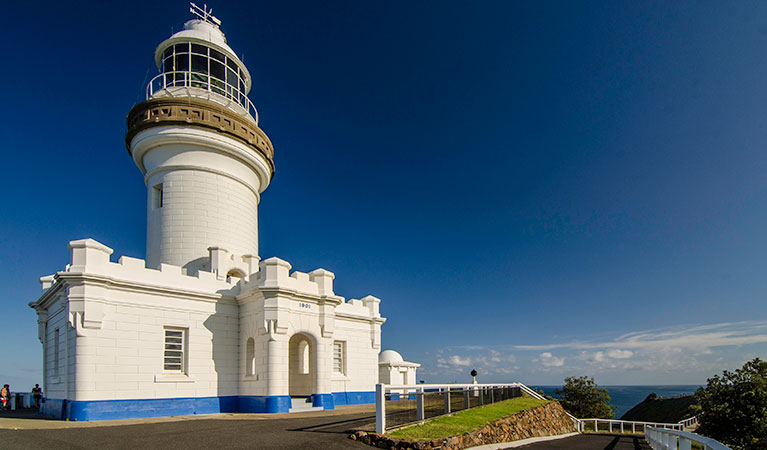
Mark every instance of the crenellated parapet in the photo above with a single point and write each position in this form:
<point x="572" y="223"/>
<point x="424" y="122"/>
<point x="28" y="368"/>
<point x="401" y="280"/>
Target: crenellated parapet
<point x="91" y="274"/>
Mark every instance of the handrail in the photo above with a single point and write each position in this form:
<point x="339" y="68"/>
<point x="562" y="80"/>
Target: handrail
<point x="623" y="424"/>
<point x="391" y="387"/>
<point x="419" y="391"/>
<point x="690" y="421"/>
<point x="170" y="79"/>
<point x="667" y="440"/>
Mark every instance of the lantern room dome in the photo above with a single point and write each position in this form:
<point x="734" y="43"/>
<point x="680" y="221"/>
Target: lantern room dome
<point x="390" y="356"/>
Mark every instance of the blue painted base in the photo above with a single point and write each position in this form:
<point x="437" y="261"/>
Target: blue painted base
<point x="263" y="404"/>
<point x="323" y="400"/>
<point x="354" y="398"/>
<point x="161" y="407"/>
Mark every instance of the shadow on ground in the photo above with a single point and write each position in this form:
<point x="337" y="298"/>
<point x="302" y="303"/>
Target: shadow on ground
<point x="27" y="413"/>
<point x="593" y="442"/>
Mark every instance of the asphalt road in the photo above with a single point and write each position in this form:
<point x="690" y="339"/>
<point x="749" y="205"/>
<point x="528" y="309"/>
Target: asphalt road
<point x="592" y="442"/>
<point x="329" y="430"/>
<point x="314" y="432"/>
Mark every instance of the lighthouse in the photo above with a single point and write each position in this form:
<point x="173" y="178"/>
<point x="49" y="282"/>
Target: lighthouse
<point x="202" y="325"/>
<point x="204" y="159"/>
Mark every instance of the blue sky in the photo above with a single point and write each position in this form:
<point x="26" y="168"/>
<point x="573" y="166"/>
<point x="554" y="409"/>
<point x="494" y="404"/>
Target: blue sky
<point x="533" y="189"/>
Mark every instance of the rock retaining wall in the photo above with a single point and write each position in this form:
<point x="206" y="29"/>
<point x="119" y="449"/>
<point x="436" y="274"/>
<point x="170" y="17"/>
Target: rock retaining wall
<point x="545" y="420"/>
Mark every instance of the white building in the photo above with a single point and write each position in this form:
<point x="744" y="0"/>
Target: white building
<point x="394" y="370"/>
<point x="202" y="326"/>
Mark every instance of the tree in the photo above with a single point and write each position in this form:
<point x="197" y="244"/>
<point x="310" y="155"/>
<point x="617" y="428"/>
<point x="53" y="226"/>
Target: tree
<point x="733" y="407"/>
<point x="582" y="398"/>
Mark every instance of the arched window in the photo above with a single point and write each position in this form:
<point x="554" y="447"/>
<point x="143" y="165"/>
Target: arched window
<point x="303" y="357"/>
<point x="250" y="357"/>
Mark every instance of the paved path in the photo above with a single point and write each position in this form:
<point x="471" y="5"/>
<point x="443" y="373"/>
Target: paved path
<point x="223" y="431"/>
<point x="306" y="431"/>
<point x="593" y="442"/>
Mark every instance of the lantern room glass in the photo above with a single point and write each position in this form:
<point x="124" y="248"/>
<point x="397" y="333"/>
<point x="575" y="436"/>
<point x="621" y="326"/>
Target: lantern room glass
<point x="199" y="66"/>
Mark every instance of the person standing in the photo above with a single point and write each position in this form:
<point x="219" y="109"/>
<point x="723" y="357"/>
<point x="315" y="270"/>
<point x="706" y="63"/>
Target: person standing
<point x="5" y="396"/>
<point x="37" y="393"/>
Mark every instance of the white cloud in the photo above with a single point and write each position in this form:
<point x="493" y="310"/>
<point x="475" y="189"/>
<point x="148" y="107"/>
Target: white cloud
<point x="459" y="361"/>
<point x="548" y="360"/>
<point x="680" y="355"/>
<point x="620" y="354"/>
<point x="699" y="339"/>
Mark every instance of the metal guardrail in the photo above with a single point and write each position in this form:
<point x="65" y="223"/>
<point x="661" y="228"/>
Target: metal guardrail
<point x="416" y="403"/>
<point x="622" y="426"/>
<point x="409" y="403"/>
<point x="218" y="90"/>
<point x="689" y="422"/>
<point x="662" y="439"/>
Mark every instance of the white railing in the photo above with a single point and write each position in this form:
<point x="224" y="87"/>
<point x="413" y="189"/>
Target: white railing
<point x="662" y="439"/>
<point x="692" y="421"/>
<point x="217" y="90"/>
<point x="623" y="426"/>
<point x="468" y="391"/>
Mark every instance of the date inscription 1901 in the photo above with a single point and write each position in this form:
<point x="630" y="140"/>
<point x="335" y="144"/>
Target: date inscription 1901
<point x="304" y="305"/>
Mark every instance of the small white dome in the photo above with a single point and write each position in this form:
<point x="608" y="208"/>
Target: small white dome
<point x="389" y="356"/>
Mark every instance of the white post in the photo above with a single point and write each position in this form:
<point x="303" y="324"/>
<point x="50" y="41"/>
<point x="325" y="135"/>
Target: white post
<point x="610" y="424"/>
<point x="380" y="409"/>
<point x="466" y="404"/>
<point x="419" y="403"/>
<point x="447" y="400"/>
<point x="595" y="426"/>
<point x="633" y="428"/>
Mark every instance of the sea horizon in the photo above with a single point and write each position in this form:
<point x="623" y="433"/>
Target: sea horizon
<point x="626" y="396"/>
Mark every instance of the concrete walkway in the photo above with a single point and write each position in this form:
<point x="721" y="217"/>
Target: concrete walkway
<point x="592" y="442"/>
<point x="21" y="430"/>
<point x="325" y="430"/>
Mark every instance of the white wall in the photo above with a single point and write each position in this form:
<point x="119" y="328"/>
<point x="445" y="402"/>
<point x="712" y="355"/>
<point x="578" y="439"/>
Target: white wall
<point x="119" y="312"/>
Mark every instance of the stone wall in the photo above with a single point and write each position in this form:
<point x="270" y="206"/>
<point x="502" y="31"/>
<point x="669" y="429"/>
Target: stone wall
<point x="546" y="420"/>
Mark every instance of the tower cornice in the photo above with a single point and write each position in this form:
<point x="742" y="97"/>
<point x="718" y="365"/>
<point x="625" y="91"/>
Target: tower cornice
<point x="191" y="112"/>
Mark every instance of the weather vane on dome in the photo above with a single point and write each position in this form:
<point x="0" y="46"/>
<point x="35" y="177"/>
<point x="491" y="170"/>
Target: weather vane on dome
<point x="205" y="14"/>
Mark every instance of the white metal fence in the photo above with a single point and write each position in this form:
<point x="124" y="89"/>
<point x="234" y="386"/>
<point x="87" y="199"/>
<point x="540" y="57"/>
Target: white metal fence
<point x="621" y="426"/>
<point x="416" y="403"/>
<point x="692" y="421"/>
<point x="663" y="439"/>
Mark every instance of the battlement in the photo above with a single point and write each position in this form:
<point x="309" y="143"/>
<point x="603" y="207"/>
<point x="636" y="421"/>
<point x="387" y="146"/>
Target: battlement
<point x="229" y="275"/>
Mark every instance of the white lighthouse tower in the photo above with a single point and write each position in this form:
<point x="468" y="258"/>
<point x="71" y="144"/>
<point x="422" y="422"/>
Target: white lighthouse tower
<point x="205" y="160"/>
<point x="202" y="325"/>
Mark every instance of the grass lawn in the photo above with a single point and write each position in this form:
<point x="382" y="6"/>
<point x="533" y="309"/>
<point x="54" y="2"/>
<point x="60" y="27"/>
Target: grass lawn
<point x="468" y="420"/>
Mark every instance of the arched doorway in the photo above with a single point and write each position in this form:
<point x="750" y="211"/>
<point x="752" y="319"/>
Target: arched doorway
<point x="302" y="366"/>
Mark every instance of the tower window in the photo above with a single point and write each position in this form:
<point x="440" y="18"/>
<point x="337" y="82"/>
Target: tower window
<point x="157" y="196"/>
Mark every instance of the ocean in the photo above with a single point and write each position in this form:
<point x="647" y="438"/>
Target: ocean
<point x="626" y="397"/>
